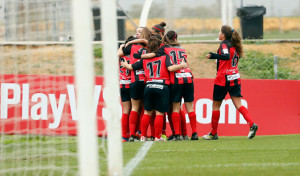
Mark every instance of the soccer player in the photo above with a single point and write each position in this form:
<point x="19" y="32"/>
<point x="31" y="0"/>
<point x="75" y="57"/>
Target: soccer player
<point x="159" y="29"/>
<point x="228" y="79"/>
<point x="156" y="94"/>
<point x="138" y="32"/>
<point x="182" y="85"/>
<point x="124" y="76"/>
<point x="137" y="83"/>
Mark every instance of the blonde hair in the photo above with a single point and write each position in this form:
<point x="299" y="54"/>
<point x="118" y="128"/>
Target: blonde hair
<point x="145" y="34"/>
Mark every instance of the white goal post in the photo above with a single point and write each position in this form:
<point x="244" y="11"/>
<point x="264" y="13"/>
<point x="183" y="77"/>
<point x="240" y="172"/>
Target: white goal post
<point x="88" y="154"/>
<point x="84" y="73"/>
<point x="111" y="83"/>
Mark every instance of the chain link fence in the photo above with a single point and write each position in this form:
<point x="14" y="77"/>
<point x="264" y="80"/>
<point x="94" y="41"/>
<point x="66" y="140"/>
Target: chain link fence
<point x="194" y="20"/>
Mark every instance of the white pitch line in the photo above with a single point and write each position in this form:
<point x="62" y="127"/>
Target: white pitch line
<point x="227" y="165"/>
<point x="131" y="165"/>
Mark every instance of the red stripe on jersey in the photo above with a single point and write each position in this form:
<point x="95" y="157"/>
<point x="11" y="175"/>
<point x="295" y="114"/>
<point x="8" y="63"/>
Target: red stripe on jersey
<point x="137" y="75"/>
<point x="127" y="86"/>
<point x="177" y="55"/>
<point x="124" y="74"/>
<point x="227" y="67"/>
<point x="156" y="70"/>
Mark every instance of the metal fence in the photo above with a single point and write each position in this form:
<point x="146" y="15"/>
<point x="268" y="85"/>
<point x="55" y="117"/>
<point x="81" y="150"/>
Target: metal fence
<point x="36" y="20"/>
<point x="25" y="20"/>
<point x="193" y="20"/>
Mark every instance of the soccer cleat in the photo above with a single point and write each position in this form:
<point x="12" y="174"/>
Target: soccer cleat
<point x="252" y="131"/>
<point x="194" y="136"/>
<point x="159" y="139"/>
<point x="138" y="134"/>
<point x="186" y="138"/>
<point x="152" y="138"/>
<point x="124" y="139"/>
<point x="177" y="137"/>
<point x="164" y="136"/>
<point x="171" y="138"/>
<point x="131" y="139"/>
<point x="211" y="137"/>
<point x="143" y="139"/>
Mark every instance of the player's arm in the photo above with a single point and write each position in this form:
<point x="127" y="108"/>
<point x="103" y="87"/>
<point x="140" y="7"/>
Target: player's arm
<point x="139" y="54"/>
<point x="219" y="56"/>
<point x="224" y="53"/>
<point x="177" y="67"/>
<point x="172" y="67"/>
<point x="148" y="55"/>
<point x="144" y="56"/>
<point x="136" y="66"/>
<point x="122" y="51"/>
<point x="160" y="52"/>
<point x="143" y="41"/>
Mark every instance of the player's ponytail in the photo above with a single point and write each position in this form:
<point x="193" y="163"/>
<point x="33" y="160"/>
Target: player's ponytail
<point x="159" y="28"/>
<point x="233" y="36"/>
<point x="171" y="38"/>
<point x="153" y="44"/>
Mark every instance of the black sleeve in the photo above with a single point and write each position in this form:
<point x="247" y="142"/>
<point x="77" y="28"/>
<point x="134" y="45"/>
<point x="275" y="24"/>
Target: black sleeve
<point x="139" y="54"/>
<point x="224" y="50"/>
<point x="161" y="51"/>
<point x="168" y="61"/>
<point x="138" y="65"/>
<point x="219" y="56"/>
<point x="127" y="50"/>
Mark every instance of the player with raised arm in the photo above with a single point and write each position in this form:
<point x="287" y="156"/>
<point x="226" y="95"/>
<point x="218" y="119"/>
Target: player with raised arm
<point x="228" y="79"/>
<point x="156" y="94"/>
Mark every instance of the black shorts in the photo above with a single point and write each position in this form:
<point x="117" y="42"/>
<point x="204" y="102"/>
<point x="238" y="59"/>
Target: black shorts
<point x="156" y="97"/>
<point x="125" y="94"/>
<point x="221" y="91"/>
<point x="137" y="90"/>
<point x="179" y="91"/>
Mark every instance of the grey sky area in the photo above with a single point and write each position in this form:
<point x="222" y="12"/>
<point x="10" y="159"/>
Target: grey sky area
<point x="274" y="7"/>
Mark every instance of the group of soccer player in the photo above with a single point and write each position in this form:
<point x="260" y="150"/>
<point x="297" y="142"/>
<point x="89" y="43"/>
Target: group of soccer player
<point x="155" y="77"/>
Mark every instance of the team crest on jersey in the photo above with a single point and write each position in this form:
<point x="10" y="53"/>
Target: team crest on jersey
<point x="225" y="51"/>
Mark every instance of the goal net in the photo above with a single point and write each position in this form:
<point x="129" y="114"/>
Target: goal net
<point x="54" y="118"/>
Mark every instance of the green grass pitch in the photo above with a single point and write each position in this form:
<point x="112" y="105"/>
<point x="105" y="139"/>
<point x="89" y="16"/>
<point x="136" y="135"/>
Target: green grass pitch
<point x="263" y="155"/>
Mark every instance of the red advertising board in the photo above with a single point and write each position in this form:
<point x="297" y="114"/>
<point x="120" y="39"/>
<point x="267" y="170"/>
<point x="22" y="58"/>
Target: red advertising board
<point x="47" y="105"/>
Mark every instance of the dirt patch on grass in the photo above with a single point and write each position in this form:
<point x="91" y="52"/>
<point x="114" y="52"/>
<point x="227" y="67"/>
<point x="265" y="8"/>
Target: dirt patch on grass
<point x="58" y="59"/>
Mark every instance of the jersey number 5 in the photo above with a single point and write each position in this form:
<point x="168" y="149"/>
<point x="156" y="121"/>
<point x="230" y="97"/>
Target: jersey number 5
<point x="175" y="59"/>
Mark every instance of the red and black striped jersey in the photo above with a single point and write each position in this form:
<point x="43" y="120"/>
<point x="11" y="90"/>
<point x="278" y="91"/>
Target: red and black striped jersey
<point x="177" y="55"/>
<point x="124" y="74"/>
<point x="156" y="69"/>
<point x="137" y="75"/>
<point x="227" y="62"/>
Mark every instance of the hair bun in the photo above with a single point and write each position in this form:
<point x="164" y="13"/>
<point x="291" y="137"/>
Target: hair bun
<point x="163" y="24"/>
